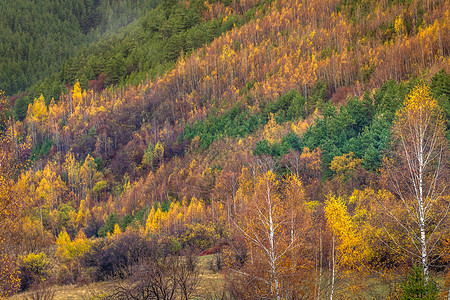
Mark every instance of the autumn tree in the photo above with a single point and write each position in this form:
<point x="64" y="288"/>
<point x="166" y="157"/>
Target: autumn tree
<point x="9" y="282"/>
<point x="9" y="208"/>
<point x="349" y="247"/>
<point x="274" y="228"/>
<point x="70" y="252"/>
<point x="417" y="173"/>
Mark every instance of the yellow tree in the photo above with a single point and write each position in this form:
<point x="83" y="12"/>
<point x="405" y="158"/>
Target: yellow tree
<point x="71" y="252"/>
<point x="158" y="152"/>
<point x="348" y="245"/>
<point x="417" y="173"/>
<point x="344" y="166"/>
<point x="83" y="214"/>
<point x="37" y="116"/>
<point x="76" y="97"/>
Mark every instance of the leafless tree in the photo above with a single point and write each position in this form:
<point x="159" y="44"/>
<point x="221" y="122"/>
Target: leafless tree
<point x="165" y="278"/>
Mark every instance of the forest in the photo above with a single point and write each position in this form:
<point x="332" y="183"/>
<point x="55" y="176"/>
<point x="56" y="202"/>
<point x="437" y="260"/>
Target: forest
<point x="218" y="149"/>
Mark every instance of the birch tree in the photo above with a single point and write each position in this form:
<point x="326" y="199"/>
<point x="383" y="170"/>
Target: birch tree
<point x="416" y="173"/>
<point x="275" y="229"/>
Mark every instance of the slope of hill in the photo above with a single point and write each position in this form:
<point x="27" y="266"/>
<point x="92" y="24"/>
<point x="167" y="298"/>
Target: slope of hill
<point x="147" y="47"/>
<point x="39" y="36"/>
<point x="297" y="103"/>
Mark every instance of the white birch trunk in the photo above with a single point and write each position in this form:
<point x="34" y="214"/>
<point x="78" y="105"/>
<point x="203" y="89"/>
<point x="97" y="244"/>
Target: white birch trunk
<point x="333" y="272"/>
<point x="273" y="261"/>
<point x="423" y="241"/>
<point x="320" y="265"/>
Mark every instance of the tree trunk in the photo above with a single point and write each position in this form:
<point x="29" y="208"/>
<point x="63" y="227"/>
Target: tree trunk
<point x="273" y="262"/>
<point x="333" y="272"/>
<point x="423" y="241"/>
<point x="320" y="264"/>
<point x="448" y="292"/>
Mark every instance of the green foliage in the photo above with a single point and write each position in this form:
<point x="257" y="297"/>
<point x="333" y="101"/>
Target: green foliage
<point x="417" y="287"/>
<point x="440" y="85"/>
<point x="361" y="127"/>
<point x="288" y="142"/>
<point x="175" y="245"/>
<point x="318" y="96"/>
<point x="236" y="122"/>
<point x="42" y="148"/>
<point x="165" y="205"/>
<point x="21" y="108"/>
<point x="354" y="9"/>
<point x="389" y="98"/>
<point x="148" y="46"/>
<point x="141" y="215"/>
<point x="126" y="220"/>
<point x="239" y="121"/>
<point x="262" y="148"/>
<point x="108" y="227"/>
<point x="132" y="219"/>
<point x="288" y="107"/>
<point x="44" y="34"/>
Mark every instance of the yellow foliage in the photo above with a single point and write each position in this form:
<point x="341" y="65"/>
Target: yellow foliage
<point x="72" y="250"/>
<point x="63" y="242"/>
<point x="299" y="127"/>
<point x="38" y="110"/>
<point x="272" y="131"/>
<point x="83" y="215"/>
<point x="311" y="159"/>
<point x="399" y="26"/>
<point x="200" y="235"/>
<point x="77" y="95"/>
<point x="150" y="225"/>
<point x="345" y="165"/>
<point x="419" y="105"/>
<point x="352" y="248"/>
<point x="117" y="232"/>
<point x="79" y="245"/>
<point x="159" y="220"/>
<point x="158" y="151"/>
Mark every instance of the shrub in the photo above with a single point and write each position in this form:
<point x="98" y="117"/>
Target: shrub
<point x="114" y="256"/>
<point x="34" y="268"/>
<point x="165" y="277"/>
<point x="200" y="236"/>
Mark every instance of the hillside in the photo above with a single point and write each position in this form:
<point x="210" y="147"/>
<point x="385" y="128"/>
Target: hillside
<point x="197" y="124"/>
<point x="39" y="36"/>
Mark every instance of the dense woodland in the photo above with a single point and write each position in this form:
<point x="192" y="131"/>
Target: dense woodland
<point x="304" y="143"/>
<point x="38" y="37"/>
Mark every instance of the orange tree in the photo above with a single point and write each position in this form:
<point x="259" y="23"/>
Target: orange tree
<point x="275" y="226"/>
